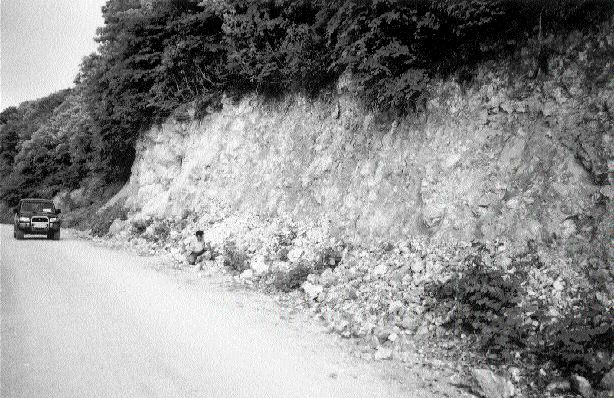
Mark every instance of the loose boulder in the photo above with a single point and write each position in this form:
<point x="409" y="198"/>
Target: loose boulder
<point x="582" y="386"/>
<point x="558" y="386"/>
<point x="258" y="265"/>
<point x="492" y="385"/>
<point x="383" y="354"/>
<point x="312" y="290"/>
<point x="117" y="226"/>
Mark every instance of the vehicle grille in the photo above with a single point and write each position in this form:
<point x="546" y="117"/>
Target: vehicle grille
<point x="40" y="219"/>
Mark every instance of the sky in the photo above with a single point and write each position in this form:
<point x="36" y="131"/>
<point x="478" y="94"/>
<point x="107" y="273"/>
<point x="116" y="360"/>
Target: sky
<point x="42" y="43"/>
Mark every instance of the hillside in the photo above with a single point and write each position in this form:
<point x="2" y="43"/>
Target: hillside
<point x="502" y="184"/>
<point x="455" y="200"/>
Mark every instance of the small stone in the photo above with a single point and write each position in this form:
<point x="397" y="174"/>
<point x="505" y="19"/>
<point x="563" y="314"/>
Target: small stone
<point x="492" y="385"/>
<point x="380" y="269"/>
<point x="410" y="323"/>
<point x="258" y="265"/>
<point x="366" y="356"/>
<point x="580" y="385"/>
<point x="393" y="337"/>
<point x="117" y="226"/>
<point x="312" y="278"/>
<point x="394" y="307"/>
<point x="423" y="330"/>
<point x="312" y="290"/>
<point x="327" y="278"/>
<point x="295" y="254"/>
<point x="513" y="203"/>
<point x="382" y="334"/>
<point x="417" y="266"/>
<point x="515" y="374"/>
<point x="568" y="228"/>
<point x="341" y="326"/>
<point x="383" y="354"/>
<point x="247" y="274"/>
<point x="607" y="382"/>
<point x="558" y="386"/>
<point x="608" y="191"/>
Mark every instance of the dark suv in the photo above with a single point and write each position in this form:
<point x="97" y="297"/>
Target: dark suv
<point x="36" y="217"/>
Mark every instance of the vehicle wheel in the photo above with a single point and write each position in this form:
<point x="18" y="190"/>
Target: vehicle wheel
<point x="56" y="235"/>
<point x="18" y="234"/>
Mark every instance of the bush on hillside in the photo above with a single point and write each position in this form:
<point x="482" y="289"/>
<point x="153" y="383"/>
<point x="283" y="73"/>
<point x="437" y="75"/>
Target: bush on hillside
<point x="492" y="306"/>
<point x="580" y="341"/>
<point x="234" y="257"/>
<point x="162" y="230"/>
<point x="292" y="279"/>
<point x="328" y="257"/>
<point x="483" y="301"/>
<point x="139" y="225"/>
<point x="100" y="222"/>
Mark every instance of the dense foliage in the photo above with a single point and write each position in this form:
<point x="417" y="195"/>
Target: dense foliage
<point x="234" y="258"/>
<point x="485" y="302"/>
<point x="491" y="305"/>
<point x="159" y="54"/>
<point x="45" y="145"/>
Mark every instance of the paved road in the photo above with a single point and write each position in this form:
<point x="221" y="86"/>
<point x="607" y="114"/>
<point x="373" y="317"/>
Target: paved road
<point x="80" y="320"/>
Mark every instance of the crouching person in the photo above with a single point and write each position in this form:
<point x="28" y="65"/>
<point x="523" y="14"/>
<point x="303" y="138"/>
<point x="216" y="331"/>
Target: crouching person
<point x="198" y="248"/>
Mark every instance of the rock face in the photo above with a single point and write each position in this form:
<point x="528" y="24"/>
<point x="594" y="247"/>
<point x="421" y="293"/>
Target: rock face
<point x="454" y="178"/>
<point x="491" y="385"/>
<point x="497" y="162"/>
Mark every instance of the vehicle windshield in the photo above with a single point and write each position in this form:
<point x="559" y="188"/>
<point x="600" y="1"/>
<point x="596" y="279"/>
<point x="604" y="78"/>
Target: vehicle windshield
<point x="37" y="207"/>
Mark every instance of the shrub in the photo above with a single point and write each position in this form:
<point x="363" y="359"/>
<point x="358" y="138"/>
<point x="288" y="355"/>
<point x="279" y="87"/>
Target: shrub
<point x="162" y="231"/>
<point x="292" y="279"/>
<point x="286" y="281"/>
<point x="581" y="340"/>
<point x="282" y="254"/>
<point x="484" y="301"/>
<point x="329" y="257"/>
<point x="140" y="225"/>
<point x="101" y="221"/>
<point x="234" y="258"/>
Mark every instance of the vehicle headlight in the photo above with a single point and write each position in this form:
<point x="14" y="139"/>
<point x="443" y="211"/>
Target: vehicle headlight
<point x="53" y="219"/>
<point x="24" y="219"/>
